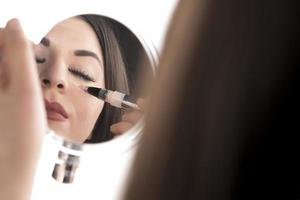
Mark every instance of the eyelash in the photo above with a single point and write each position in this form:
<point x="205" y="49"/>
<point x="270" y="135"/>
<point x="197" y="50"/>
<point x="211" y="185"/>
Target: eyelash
<point x="76" y="72"/>
<point x="81" y="74"/>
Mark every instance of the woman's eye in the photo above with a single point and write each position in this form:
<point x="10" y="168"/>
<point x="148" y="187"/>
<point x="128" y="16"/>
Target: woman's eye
<point x="40" y="60"/>
<point x="81" y="74"/>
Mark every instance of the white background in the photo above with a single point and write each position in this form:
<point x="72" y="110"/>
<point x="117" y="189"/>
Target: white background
<point x="104" y="170"/>
<point x="148" y="17"/>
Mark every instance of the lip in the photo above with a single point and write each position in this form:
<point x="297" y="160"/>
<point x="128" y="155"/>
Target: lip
<point x="55" y="111"/>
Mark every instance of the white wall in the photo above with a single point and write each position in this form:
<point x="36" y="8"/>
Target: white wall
<point x="150" y="18"/>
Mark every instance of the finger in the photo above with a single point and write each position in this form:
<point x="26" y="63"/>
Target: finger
<point x="120" y="127"/>
<point x="18" y="59"/>
<point x="1" y="36"/>
<point x="132" y="117"/>
<point x="1" y="41"/>
<point x="32" y="44"/>
<point x="2" y="78"/>
<point x="142" y="103"/>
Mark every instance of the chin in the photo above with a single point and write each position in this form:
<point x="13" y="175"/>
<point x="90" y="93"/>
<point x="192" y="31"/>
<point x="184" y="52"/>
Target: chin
<point x="64" y="132"/>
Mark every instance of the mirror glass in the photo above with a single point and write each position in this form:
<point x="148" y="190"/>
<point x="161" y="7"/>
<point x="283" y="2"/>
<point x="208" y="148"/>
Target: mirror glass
<point x="86" y="64"/>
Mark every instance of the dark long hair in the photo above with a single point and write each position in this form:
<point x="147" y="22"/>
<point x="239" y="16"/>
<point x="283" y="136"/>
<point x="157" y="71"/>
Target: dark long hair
<point x="114" y="73"/>
<point x="223" y="122"/>
<point x="126" y="62"/>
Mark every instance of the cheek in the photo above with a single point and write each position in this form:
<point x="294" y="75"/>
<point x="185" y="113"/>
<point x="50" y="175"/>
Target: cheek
<point x="90" y="110"/>
<point x="87" y="110"/>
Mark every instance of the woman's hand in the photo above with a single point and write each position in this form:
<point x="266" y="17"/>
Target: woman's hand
<point x="129" y="119"/>
<point x="22" y="116"/>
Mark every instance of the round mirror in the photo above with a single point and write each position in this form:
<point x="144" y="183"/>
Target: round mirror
<point x="90" y="68"/>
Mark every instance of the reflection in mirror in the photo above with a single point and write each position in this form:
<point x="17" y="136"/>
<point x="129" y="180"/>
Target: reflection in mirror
<point x="90" y="67"/>
<point x="91" y="51"/>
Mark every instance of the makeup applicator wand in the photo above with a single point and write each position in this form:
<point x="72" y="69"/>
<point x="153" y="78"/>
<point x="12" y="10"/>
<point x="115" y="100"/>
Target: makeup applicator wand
<point x="114" y="98"/>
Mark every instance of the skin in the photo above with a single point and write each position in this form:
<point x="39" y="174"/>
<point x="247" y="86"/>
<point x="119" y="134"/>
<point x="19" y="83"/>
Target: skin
<point x="129" y="119"/>
<point x="64" y="73"/>
<point x="22" y="116"/>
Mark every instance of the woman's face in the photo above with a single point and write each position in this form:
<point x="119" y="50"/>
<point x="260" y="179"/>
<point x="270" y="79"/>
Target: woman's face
<point x="69" y="58"/>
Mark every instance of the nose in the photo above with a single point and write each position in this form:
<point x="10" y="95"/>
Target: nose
<point x="59" y="84"/>
<point x="54" y="77"/>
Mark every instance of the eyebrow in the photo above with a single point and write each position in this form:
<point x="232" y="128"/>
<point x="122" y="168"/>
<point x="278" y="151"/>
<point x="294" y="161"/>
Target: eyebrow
<point x="46" y="42"/>
<point x="86" y="53"/>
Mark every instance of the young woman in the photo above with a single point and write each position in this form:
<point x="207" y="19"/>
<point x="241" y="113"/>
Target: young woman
<point x="78" y="52"/>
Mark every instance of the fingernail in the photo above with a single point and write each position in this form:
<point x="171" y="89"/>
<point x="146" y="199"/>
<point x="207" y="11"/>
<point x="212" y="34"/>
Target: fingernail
<point x="13" y="24"/>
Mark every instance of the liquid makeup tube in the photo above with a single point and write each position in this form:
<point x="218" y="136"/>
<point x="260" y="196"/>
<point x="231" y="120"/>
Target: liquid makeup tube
<point x="114" y="98"/>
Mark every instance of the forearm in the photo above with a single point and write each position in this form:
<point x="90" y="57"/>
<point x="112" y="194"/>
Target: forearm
<point x="22" y="116"/>
<point x="17" y="175"/>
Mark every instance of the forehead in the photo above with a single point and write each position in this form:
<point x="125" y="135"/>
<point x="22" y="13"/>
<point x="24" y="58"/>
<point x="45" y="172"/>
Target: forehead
<point x="74" y="33"/>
